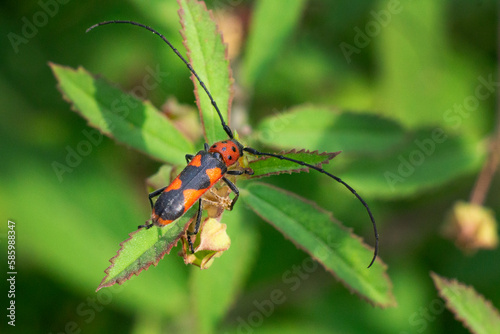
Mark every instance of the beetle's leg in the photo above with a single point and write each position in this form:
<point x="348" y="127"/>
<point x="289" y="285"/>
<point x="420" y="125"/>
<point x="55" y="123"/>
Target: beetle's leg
<point x="154" y="194"/>
<point x="146" y="226"/>
<point x="231" y="185"/>
<point x="234" y="189"/>
<point x="196" y="227"/>
<point x="247" y="171"/>
<point x="150" y="196"/>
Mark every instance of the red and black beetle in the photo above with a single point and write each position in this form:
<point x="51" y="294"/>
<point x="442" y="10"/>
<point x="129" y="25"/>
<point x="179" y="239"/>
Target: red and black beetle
<point x="203" y="171"/>
<point x="209" y="166"/>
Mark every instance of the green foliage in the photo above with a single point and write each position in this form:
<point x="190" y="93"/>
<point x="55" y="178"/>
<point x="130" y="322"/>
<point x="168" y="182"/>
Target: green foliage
<point x="121" y="116"/>
<point x="314" y="230"/>
<point x="144" y="248"/>
<point x="471" y="308"/>
<point x="266" y="166"/>
<point x="207" y="54"/>
<point x="322" y="128"/>
<point x="398" y="173"/>
<point x="214" y="290"/>
<point x="74" y="201"/>
<point x="272" y="24"/>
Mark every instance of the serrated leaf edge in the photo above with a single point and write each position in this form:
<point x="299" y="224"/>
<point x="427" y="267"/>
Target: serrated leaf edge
<point x="329" y="156"/>
<point x="438" y="280"/>
<point x="181" y="14"/>
<point x="120" y="281"/>
<point x="392" y="301"/>
<point x="89" y="122"/>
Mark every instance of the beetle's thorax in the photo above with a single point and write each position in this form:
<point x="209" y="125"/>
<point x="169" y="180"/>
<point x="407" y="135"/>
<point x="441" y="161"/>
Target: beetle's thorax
<point x="230" y="150"/>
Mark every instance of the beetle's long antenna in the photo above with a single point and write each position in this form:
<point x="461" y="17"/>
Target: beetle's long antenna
<point x="230" y="133"/>
<point x="375" y="252"/>
<point x="202" y="84"/>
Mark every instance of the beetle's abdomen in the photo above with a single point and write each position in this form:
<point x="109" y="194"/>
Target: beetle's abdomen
<point x="202" y="172"/>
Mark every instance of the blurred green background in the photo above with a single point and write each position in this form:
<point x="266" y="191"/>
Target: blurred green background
<point x="421" y="61"/>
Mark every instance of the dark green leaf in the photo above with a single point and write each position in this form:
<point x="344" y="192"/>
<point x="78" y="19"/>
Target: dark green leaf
<point x="429" y="159"/>
<point x="314" y="127"/>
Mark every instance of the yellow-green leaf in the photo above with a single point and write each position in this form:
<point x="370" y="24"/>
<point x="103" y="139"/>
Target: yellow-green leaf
<point x="208" y="56"/>
<point x="472" y="309"/>
<point x="121" y="116"/>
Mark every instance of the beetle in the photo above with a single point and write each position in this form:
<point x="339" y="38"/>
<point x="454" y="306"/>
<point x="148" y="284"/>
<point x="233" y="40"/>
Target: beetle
<point x="210" y="166"/>
<point x="203" y="171"/>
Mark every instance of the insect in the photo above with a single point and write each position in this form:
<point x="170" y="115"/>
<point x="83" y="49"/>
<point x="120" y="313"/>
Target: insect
<point x="209" y="166"/>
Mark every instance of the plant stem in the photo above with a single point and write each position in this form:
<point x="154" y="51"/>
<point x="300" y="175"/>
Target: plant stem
<point x="484" y="179"/>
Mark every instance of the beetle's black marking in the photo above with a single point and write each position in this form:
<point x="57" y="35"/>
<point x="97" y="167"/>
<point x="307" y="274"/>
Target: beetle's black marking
<point x="170" y="204"/>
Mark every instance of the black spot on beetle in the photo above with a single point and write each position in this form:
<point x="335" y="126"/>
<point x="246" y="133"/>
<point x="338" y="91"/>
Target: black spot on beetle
<point x="233" y="148"/>
<point x="230" y="158"/>
<point x="224" y="149"/>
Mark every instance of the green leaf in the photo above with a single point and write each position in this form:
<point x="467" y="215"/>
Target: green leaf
<point x="297" y="325"/>
<point x="476" y="313"/>
<point x="214" y="291"/>
<point x="266" y="166"/>
<point x="429" y="158"/>
<point x="408" y="68"/>
<point x="144" y="248"/>
<point x="316" y="127"/>
<point x="163" y="177"/>
<point x="328" y="242"/>
<point x="272" y="22"/>
<point x="395" y="161"/>
<point x="86" y="216"/>
<point x="160" y="13"/>
<point x="411" y="73"/>
<point x="121" y="116"/>
<point x="208" y="56"/>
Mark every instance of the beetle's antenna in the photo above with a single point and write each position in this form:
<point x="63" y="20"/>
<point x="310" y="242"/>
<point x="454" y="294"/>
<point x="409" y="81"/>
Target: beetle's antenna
<point x="375" y="252"/>
<point x="202" y="84"/>
<point x="229" y="132"/>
